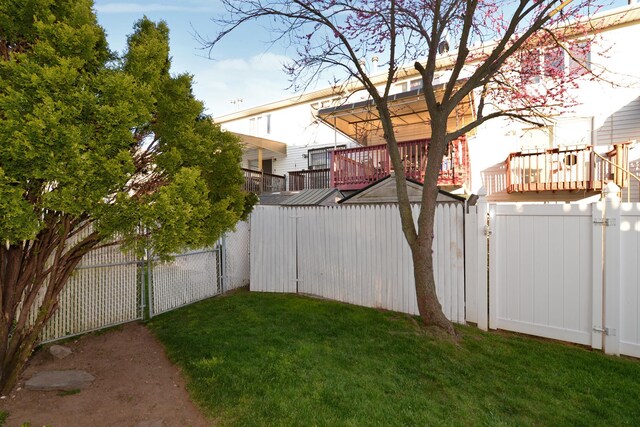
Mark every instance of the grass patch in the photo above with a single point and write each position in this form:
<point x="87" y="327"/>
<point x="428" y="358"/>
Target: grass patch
<point x="3" y="417"/>
<point x="255" y="359"/>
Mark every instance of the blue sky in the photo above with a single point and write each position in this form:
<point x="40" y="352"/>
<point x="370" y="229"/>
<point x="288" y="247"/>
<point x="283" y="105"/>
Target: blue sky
<point x="244" y="67"/>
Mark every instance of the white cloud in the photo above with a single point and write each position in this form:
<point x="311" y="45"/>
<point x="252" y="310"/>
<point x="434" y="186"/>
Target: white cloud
<point x="262" y="62"/>
<point x="236" y="64"/>
<point x="268" y="61"/>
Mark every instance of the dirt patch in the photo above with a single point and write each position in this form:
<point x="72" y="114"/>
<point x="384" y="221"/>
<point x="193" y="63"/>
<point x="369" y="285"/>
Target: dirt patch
<point x="135" y="383"/>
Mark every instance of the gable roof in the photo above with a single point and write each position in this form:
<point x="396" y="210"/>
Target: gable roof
<point x="384" y="191"/>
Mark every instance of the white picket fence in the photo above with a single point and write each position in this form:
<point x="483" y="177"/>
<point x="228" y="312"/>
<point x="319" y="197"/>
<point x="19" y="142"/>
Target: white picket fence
<point x="354" y="254"/>
<point x="567" y="272"/>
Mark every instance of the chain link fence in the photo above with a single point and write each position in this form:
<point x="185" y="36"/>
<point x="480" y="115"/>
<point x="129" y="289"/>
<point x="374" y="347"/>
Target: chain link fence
<point x="190" y="277"/>
<point x="111" y="287"/>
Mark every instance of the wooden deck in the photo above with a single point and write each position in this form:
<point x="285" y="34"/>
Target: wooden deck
<point x="302" y="180"/>
<point x="355" y="168"/>
<point x="565" y="169"/>
<point x="261" y="182"/>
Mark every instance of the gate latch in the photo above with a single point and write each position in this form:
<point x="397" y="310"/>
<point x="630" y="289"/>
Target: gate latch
<point x="606" y="331"/>
<point x="605" y="222"/>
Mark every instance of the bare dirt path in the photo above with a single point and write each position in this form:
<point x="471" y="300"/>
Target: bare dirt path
<point x="135" y="386"/>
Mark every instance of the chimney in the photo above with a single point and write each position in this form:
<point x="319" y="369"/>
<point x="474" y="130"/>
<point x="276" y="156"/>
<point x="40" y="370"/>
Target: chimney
<point x="374" y="65"/>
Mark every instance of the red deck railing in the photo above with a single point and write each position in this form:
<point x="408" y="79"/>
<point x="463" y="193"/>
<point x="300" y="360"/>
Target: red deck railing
<point x="355" y="168"/>
<point x="302" y="180"/>
<point x="262" y="182"/>
<point x="566" y="168"/>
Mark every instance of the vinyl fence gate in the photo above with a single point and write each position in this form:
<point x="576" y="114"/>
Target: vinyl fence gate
<point x="569" y="272"/>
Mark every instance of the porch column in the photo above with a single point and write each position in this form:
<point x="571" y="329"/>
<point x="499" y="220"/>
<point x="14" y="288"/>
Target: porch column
<point x="260" y="168"/>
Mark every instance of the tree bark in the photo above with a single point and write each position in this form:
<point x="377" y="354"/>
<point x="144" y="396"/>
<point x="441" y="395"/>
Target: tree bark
<point x="43" y="265"/>
<point x="421" y="240"/>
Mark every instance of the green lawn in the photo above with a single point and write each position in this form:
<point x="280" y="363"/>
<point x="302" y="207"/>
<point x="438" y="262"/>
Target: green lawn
<point x="268" y="359"/>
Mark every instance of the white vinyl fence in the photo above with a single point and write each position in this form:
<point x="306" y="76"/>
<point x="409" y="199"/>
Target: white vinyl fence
<point x="235" y="246"/>
<point x="354" y="254"/>
<point x="567" y="272"/>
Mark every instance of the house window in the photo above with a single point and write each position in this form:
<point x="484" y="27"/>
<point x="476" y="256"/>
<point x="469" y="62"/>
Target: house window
<point x="268" y="123"/>
<point x="401" y="87"/>
<point x="530" y="66"/>
<point x="554" y="62"/>
<point x="252" y="126"/>
<point x="319" y="157"/>
<point x="580" y="57"/>
<point x="415" y="84"/>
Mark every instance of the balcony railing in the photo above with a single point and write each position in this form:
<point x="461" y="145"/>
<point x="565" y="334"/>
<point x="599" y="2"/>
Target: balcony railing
<point x="355" y="168"/>
<point x="302" y="180"/>
<point x="261" y="182"/>
<point x="566" y="168"/>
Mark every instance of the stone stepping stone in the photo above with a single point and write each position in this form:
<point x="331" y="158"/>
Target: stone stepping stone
<point x="59" y="380"/>
<point x="59" y="351"/>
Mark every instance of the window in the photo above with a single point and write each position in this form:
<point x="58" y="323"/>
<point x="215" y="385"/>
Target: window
<point x="319" y="157"/>
<point x="268" y="118"/>
<point x="401" y="87"/>
<point x="554" y="62"/>
<point x="252" y="126"/>
<point x="415" y="84"/>
<point x="580" y="57"/>
<point x="530" y="66"/>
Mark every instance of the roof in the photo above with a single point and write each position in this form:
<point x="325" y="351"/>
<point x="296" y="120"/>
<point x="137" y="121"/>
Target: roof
<point x="278" y="198"/>
<point x="314" y="197"/>
<point x="384" y="191"/>
<point x="409" y="115"/>
<point x="606" y="20"/>
<point x="267" y="144"/>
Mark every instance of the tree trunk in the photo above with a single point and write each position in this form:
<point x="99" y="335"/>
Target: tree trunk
<point x="429" y="307"/>
<point x="43" y="265"/>
<point x="420" y="241"/>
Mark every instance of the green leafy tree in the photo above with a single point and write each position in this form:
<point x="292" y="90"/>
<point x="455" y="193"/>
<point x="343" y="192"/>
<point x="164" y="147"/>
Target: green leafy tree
<point x="92" y="148"/>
